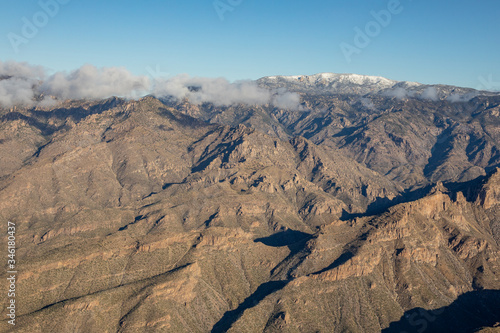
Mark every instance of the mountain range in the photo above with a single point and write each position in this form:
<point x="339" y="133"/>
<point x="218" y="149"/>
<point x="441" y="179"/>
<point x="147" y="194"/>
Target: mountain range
<point x="371" y="206"/>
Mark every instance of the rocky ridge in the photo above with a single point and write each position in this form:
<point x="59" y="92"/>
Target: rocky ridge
<point x="135" y="216"/>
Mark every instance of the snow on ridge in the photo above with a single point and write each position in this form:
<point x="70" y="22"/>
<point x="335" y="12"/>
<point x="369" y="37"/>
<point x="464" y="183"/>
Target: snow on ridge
<point x="333" y="77"/>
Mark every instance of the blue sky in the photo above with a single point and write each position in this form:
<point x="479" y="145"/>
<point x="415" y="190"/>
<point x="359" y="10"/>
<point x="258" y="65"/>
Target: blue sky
<point x="451" y="42"/>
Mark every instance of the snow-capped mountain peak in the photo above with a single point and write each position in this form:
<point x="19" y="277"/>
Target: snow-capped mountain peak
<point x="329" y="82"/>
<point x="326" y="78"/>
<point x="355" y="84"/>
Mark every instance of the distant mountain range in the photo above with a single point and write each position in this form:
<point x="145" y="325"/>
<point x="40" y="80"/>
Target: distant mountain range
<point x="374" y="206"/>
<point x="330" y="83"/>
<point x="408" y="132"/>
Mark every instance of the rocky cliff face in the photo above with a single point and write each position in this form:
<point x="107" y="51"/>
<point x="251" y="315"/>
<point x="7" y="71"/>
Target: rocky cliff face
<point x="140" y="216"/>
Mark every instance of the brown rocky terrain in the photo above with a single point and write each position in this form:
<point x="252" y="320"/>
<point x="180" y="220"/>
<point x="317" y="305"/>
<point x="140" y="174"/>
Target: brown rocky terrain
<point x="412" y="141"/>
<point x="151" y="216"/>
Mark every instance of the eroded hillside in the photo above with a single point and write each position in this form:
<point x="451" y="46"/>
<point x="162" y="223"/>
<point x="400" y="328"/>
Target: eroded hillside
<point x="150" y="216"/>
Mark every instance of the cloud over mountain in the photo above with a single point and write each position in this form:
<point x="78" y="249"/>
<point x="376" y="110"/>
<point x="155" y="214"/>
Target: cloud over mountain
<point x="27" y="85"/>
<point x="23" y="84"/>
<point x="220" y="91"/>
<point x="17" y="81"/>
<point x="430" y="93"/>
<point x="89" y="82"/>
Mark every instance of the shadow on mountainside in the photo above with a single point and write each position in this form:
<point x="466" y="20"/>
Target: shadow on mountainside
<point x="440" y="151"/>
<point x="383" y="204"/>
<point x="77" y="113"/>
<point x="284" y="238"/>
<point x="262" y="292"/>
<point x="295" y="241"/>
<point x="470" y="190"/>
<point x="468" y="313"/>
<point x="183" y="119"/>
<point x="42" y="119"/>
<point x="45" y="129"/>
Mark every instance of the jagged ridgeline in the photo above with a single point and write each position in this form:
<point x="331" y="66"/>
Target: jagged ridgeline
<point x="374" y="206"/>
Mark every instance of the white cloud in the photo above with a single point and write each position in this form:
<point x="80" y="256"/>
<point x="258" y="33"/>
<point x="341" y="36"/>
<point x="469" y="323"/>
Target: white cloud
<point x="17" y="81"/>
<point x="460" y="98"/>
<point x="21" y="84"/>
<point x="89" y="82"/>
<point x="16" y="91"/>
<point x="399" y="93"/>
<point x="21" y="69"/>
<point x="430" y="93"/>
<point x="368" y="103"/>
<point x="220" y="91"/>
<point x="286" y="100"/>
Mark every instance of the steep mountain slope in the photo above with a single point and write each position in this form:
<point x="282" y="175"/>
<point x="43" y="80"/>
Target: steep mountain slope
<point x="138" y="177"/>
<point x="359" y="276"/>
<point x="163" y="216"/>
<point x="414" y="134"/>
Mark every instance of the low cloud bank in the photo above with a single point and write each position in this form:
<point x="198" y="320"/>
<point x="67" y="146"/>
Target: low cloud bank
<point x="89" y="82"/>
<point x="17" y="83"/>
<point x="429" y="94"/>
<point x="460" y="98"/>
<point x="22" y="84"/>
<point x="221" y="92"/>
<point x="26" y="85"/>
<point x="399" y="93"/>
